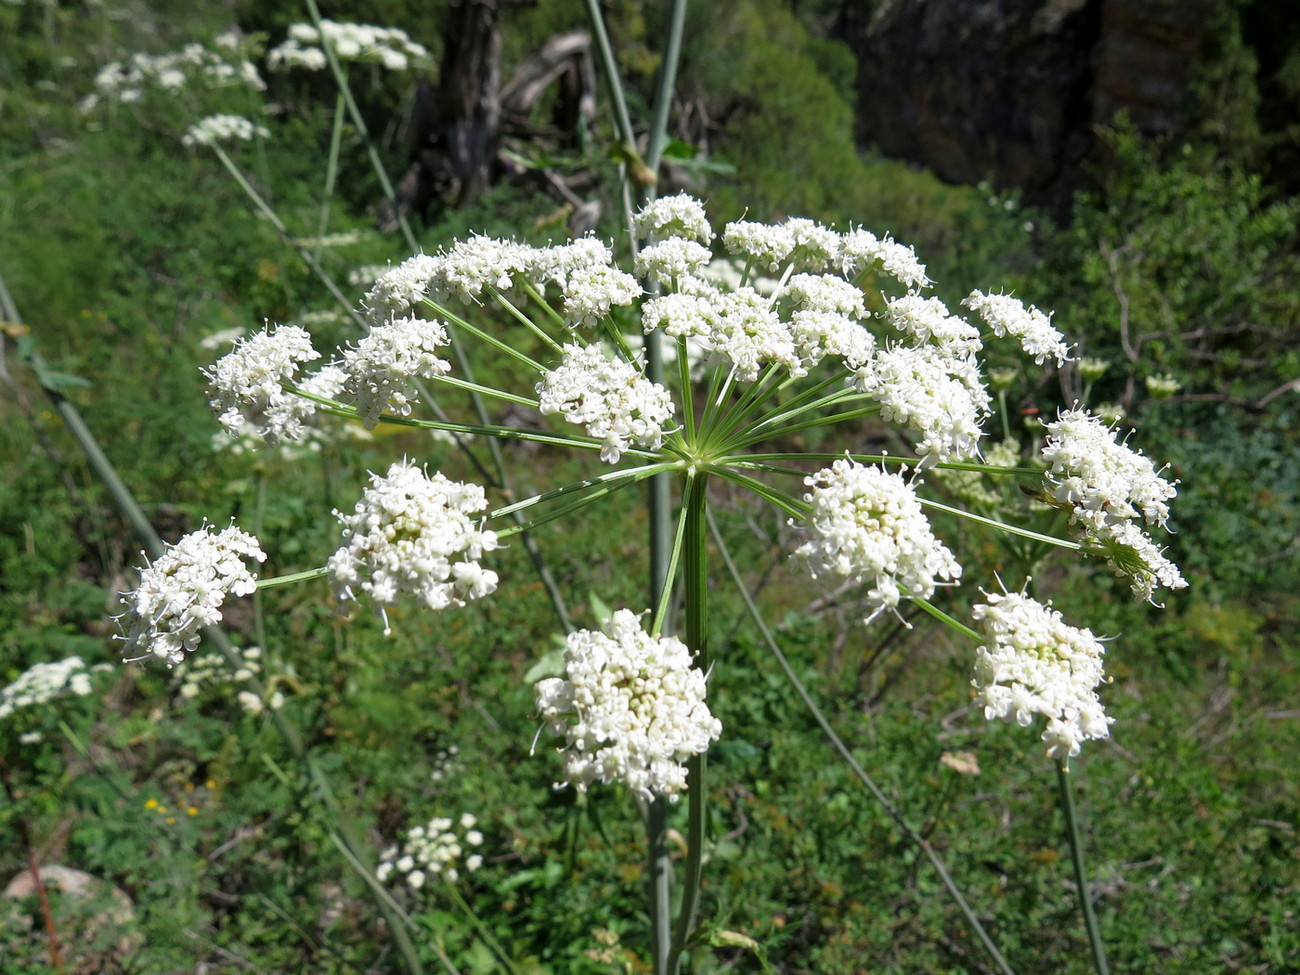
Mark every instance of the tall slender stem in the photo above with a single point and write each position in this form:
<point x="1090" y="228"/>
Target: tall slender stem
<point x="843" y="750"/>
<point x="1080" y="874"/>
<point x="127" y="504"/>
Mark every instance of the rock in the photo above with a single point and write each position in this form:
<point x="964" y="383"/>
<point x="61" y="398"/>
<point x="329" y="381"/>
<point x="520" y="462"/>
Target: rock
<point x="93" y="920"/>
<point x="1011" y="91"/>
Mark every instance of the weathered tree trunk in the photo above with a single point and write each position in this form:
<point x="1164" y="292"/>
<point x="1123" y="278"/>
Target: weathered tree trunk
<point x="460" y="125"/>
<point x="457" y="125"/>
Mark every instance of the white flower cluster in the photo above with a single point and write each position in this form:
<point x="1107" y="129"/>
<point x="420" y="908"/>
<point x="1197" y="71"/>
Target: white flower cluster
<point x="867" y="526"/>
<point x="1108" y="488"/>
<point x="631" y="709"/>
<point x="386" y="46"/>
<point x="1033" y="663"/>
<point x="590" y="292"/>
<point x="380" y="368"/>
<point x="861" y="250"/>
<point x="128" y="80"/>
<point x="609" y="397"/>
<point x="941" y="397"/>
<point x="402" y="540"/>
<point x="1008" y="316"/>
<point x="803" y="244"/>
<point x="44" y="682"/>
<point x="246" y="386"/>
<point x="434" y="849"/>
<point x="674" y="216"/>
<point x="223" y="128"/>
<point x="183" y="590"/>
<point x="193" y="674"/>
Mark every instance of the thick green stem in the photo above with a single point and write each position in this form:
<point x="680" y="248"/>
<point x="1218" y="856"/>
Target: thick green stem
<point x="696" y="584"/>
<point x="660" y="884"/>
<point x="1080" y="874"/>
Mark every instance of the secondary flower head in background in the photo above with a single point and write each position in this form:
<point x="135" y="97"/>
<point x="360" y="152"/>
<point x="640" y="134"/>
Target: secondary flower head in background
<point x="415" y="536"/>
<point x="44" y="682"/>
<point x="1032" y="663"/>
<point x="867" y="526"/>
<point x="223" y="128"/>
<point x="631" y="709"/>
<point x="434" y="849"/>
<point x="389" y="47"/>
<point x="183" y="590"/>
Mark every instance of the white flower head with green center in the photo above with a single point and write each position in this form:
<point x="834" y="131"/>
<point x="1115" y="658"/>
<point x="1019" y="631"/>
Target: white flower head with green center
<point x="1032" y="663"/>
<point x="246" y="386"/>
<point x="861" y="250"/>
<point x="609" y="397"/>
<point x="381" y="368"/>
<point x="439" y="848"/>
<point x="183" y="590"/>
<point x="866" y="525"/>
<point x="591" y="291"/>
<point x="1008" y="316"/>
<point x="413" y="536"/>
<point x="631" y="708"/>
<point x="673" y="216"/>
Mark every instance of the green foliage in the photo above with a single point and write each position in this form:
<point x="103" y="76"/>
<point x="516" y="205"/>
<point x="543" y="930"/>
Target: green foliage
<point x="124" y="251"/>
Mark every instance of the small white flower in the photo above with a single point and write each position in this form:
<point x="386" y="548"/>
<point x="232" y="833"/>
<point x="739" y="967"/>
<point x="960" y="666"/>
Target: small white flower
<point x="609" y="397"/>
<point x="398" y="290"/>
<point x="749" y="334"/>
<point x="867" y="526"/>
<point x="631" y="709"/>
<point x="590" y="292"/>
<point x="1008" y="316"/>
<point x="861" y="249"/>
<point x="412" y="535"/>
<point x="939" y="397"/>
<point x="432" y="850"/>
<point x="673" y="216"/>
<point x="381" y="368"/>
<point x="183" y="590"/>
<point x="928" y="321"/>
<point x="1034" y="664"/>
<point x="247" y="386"/>
<point x="44" y="682"/>
<point x="223" y="128"/>
<point x="671" y="259"/>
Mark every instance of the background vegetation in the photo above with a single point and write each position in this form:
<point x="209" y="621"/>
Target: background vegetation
<point x="124" y="252"/>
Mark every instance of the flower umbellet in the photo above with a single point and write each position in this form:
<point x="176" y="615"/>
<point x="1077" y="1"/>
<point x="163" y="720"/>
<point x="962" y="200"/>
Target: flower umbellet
<point x="792" y="333"/>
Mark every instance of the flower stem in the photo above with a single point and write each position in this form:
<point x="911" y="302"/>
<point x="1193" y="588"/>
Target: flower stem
<point x="838" y="744"/>
<point x="1080" y="874"/>
<point x="695" y="577"/>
